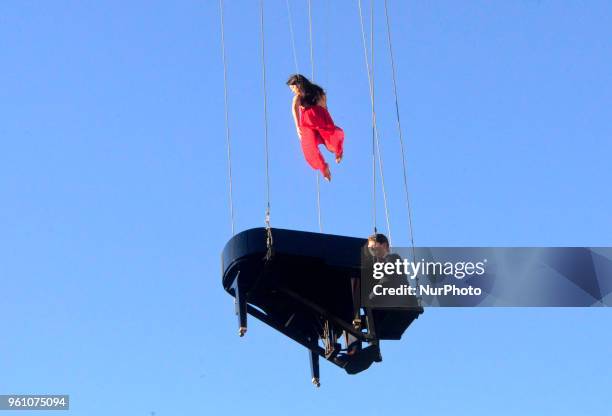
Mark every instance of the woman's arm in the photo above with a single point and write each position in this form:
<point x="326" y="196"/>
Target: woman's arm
<point x="295" y="110"/>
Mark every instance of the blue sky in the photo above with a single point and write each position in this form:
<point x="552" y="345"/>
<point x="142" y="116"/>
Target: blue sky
<point x="114" y="208"/>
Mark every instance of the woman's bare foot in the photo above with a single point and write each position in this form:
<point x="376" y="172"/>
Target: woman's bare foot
<point x="339" y="158"/>
<point x="327" y="173"/>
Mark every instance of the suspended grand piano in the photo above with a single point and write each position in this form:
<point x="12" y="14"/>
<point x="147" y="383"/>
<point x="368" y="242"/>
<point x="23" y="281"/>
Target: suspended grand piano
<point x="307" y="287"/>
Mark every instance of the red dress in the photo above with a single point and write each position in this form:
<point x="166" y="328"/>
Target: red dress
<point x="317" y="127"/>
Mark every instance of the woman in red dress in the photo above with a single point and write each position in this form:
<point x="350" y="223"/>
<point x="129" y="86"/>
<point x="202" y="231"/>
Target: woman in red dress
<point x="313" y="123"/>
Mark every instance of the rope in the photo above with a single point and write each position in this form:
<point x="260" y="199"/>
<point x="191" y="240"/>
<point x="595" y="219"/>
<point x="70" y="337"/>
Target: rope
<point x="365" y="53"/>
<point x="227" y="128"/>
<point x="295" y="60"/>
<point x="269" y="240"/>
<point x="380" y="161"/>
<point x="312" y="67"/>
<point x="401" y="139"/>
<point x="375" y="138"/>
<point x="319" y="202"/>
<point x="399" y="127"/>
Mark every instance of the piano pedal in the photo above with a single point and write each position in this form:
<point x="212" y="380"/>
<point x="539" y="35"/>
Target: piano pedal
<point x="330" y="354"/>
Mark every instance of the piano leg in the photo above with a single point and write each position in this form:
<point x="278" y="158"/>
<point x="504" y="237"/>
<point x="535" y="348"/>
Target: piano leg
<point x="356" y="295"/>
<point x="241" y="306"/>
<point x="370" y="323"/>
<point x="314" y="368"/>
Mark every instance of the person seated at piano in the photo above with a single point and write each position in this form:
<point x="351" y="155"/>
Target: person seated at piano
<point x="356" y="358"/>
<point x="378" y="251"/>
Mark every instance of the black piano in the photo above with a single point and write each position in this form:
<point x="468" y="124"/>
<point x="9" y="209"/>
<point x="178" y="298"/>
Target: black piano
<point x="307" y="286"/>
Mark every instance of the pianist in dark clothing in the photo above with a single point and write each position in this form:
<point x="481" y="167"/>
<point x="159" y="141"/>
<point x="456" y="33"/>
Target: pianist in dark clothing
<point x="357" y="358"/>
<point x="378" y="251"/>
<point x="383" y="310"/>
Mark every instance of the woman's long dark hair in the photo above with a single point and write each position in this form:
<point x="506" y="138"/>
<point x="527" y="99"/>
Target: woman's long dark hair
<point x="310" y="92"/>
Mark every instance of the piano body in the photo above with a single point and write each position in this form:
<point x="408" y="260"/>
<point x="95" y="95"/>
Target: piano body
<point x="308" y="289"/>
